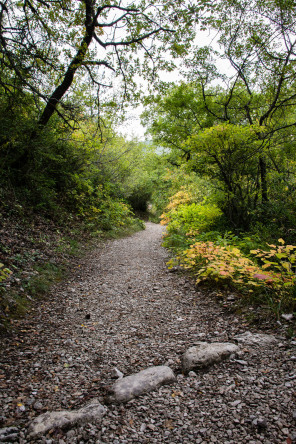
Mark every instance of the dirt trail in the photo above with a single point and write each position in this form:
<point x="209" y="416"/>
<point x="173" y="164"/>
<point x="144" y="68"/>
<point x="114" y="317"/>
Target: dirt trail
<point x="122" y="308"/>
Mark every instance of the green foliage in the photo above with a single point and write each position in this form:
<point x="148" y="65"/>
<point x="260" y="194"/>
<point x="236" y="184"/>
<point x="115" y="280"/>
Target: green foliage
<point x="241" y="137"/>
<point x="186" y="218"/>
<point x="196" y="217"/>
<point x="168" y="180"/>
<point x="144" y="178"/>
<point x="191" y="218"/>
<point x="188" y="211"/>
<point x="66" y="174"/>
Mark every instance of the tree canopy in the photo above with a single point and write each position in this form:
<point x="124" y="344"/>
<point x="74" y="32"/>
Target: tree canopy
<point x="234" y="117"/>
<point x="46" y="44"/>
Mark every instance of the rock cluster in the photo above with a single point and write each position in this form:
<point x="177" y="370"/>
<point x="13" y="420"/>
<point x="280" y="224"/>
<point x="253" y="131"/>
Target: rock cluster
<point x="129" y="387"/>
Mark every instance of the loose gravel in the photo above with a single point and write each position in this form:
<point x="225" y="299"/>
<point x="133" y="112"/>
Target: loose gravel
<point x="122" y="308"/>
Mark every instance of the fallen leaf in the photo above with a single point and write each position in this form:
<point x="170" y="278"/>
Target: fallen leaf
<point x="168" y="424"/>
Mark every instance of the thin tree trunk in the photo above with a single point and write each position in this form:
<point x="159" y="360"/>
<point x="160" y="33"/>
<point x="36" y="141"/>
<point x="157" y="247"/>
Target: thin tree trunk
<point x="76" y="62"/>
<point x="263" y="174"/>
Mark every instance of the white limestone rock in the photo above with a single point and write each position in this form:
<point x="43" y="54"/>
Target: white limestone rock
<point x="129" y="387"/>
<point x="92" y="412"/>
<point x="116" y="374"/>
<point x="204" y="354"/>
<point x="9" y="434"/>
<point x="249" y="338"/>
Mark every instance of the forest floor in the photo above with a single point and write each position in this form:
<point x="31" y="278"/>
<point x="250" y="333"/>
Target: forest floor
<point x="121" y="307"/>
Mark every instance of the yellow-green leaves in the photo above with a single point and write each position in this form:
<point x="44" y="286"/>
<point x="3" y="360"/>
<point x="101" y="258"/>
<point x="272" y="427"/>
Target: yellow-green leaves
<point x="211" y="261"/>
<point x="215" y="263"/>
<point x="192" y="217"/>
<point x="281" y="259"/>
<point x="4" y="272"/>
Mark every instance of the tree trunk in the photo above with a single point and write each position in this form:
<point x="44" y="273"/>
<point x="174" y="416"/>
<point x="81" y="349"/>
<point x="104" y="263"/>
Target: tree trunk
<point x="263" y="174"/>
<point x="76" y="62"/>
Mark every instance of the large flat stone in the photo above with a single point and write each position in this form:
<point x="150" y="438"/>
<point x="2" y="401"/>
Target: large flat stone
<point x="129" y="387"/>
<point x="205" y="354"/>
<point x="92" y="412"/>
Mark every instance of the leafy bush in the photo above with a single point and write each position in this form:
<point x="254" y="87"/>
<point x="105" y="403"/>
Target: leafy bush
<point x="282" y="258"/>
<point x="114" y="214"/>
<point x="186" y="218"/>
<point x="218" y="263"/>
<point x="228" y="266"/>
<point x="195" y="218"/>
<point x="281" y="262"/>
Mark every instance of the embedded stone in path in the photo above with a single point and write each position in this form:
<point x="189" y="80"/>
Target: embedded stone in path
<point x="9" y="434"/>
<point x="205" y="354"/>
<point x="92" y="412"/>
<point x="255" y="338"/>
<point x="129" y="387"/>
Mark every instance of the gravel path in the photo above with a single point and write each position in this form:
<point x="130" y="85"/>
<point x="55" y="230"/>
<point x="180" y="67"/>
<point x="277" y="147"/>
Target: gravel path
<point x="122" y="308"/>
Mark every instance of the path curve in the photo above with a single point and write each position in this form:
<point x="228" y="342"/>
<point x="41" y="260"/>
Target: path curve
<point x="122" y="308"/>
